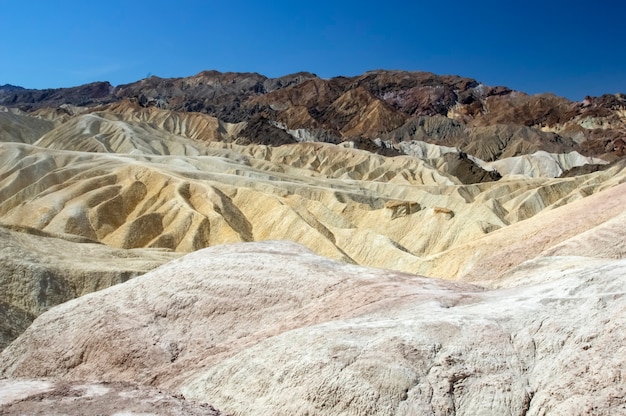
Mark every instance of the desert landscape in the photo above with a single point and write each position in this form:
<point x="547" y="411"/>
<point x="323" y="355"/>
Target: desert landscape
<point x="392" y="243"/>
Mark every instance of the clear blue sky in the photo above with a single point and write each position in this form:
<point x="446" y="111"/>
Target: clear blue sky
<point x="570" y="48"/>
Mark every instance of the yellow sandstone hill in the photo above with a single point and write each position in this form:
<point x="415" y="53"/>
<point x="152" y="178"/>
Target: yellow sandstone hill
<point x="137" y="177"/>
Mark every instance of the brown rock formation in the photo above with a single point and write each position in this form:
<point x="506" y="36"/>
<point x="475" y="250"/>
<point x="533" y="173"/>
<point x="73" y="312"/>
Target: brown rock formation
<point x="88" y="94"/>
<point x="402" y="208"/>
<point x="369" y="105"/>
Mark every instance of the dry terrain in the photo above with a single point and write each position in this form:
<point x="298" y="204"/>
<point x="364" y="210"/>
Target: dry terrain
<point x="392" y="243"/>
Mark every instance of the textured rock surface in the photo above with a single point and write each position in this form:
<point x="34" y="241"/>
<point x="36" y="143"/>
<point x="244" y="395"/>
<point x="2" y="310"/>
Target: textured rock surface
<point x="48" y="397"/>
<point x="271" y="328"/>
<point x="39" y="271"/>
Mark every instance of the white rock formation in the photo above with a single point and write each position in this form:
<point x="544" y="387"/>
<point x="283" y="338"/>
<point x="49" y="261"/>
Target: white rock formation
<point x="541" y="164"/>
<point x="270" y="328"/>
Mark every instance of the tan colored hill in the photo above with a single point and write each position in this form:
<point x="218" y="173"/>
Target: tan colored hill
<point x="270" y="328"/>
<point x="40" y="270"/>
<point x="22" y="128"/>
<point x="585" y="226"/>
<point x="328" y="198"/>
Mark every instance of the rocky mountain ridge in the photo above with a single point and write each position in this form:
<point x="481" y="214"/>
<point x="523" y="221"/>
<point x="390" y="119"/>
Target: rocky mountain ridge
<point x="375" y="104"/>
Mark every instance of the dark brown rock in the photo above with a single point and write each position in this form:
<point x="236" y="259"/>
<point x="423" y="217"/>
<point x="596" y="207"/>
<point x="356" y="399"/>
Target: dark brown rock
<point x="84" y="95"/>
<point x="371" y="146"/>
<point x="261" y="131"/>
<point x="459" y="165"/>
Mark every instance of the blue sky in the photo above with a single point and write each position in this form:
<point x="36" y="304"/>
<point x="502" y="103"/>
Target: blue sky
<point x="571" y="48"/>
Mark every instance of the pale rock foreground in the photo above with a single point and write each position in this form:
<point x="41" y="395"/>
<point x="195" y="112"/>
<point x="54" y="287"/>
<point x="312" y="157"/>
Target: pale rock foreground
<point x="270" y="328"/>
<point x="47" y="397"/>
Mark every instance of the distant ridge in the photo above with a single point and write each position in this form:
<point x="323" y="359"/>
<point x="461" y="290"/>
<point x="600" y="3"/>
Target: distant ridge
<point x="491" y="122"/>
<point x="9" y="87"/>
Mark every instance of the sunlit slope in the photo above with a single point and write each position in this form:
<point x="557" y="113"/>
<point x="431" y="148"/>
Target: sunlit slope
<point x="343" y="203"/>
<point x="271" y="328"/>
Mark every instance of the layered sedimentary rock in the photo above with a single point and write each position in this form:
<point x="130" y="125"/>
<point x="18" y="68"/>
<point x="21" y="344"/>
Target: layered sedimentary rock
<point x="487" y="122"/>
<point x="40" y="270"/>
<point x="327" y="198"/>
<point x="518" y="198"/>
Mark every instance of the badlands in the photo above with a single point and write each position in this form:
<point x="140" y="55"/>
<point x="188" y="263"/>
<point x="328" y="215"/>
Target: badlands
<point x="396" y="243"/>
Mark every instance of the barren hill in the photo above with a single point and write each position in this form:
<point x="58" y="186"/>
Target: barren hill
<point x="41" y="270"/>
<point x="255" y="243"/>
<point x="373" y="104"/>
<point x="270" y="328"/>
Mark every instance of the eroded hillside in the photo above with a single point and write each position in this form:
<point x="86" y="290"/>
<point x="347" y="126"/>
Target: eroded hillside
<point x="517" y="198"/>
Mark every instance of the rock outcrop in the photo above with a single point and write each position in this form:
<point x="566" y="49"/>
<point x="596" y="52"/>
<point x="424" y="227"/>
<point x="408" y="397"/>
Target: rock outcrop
<point x="39" y="271"/>
<point x="271" y="328"/>
<point x="43" y="396"/>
